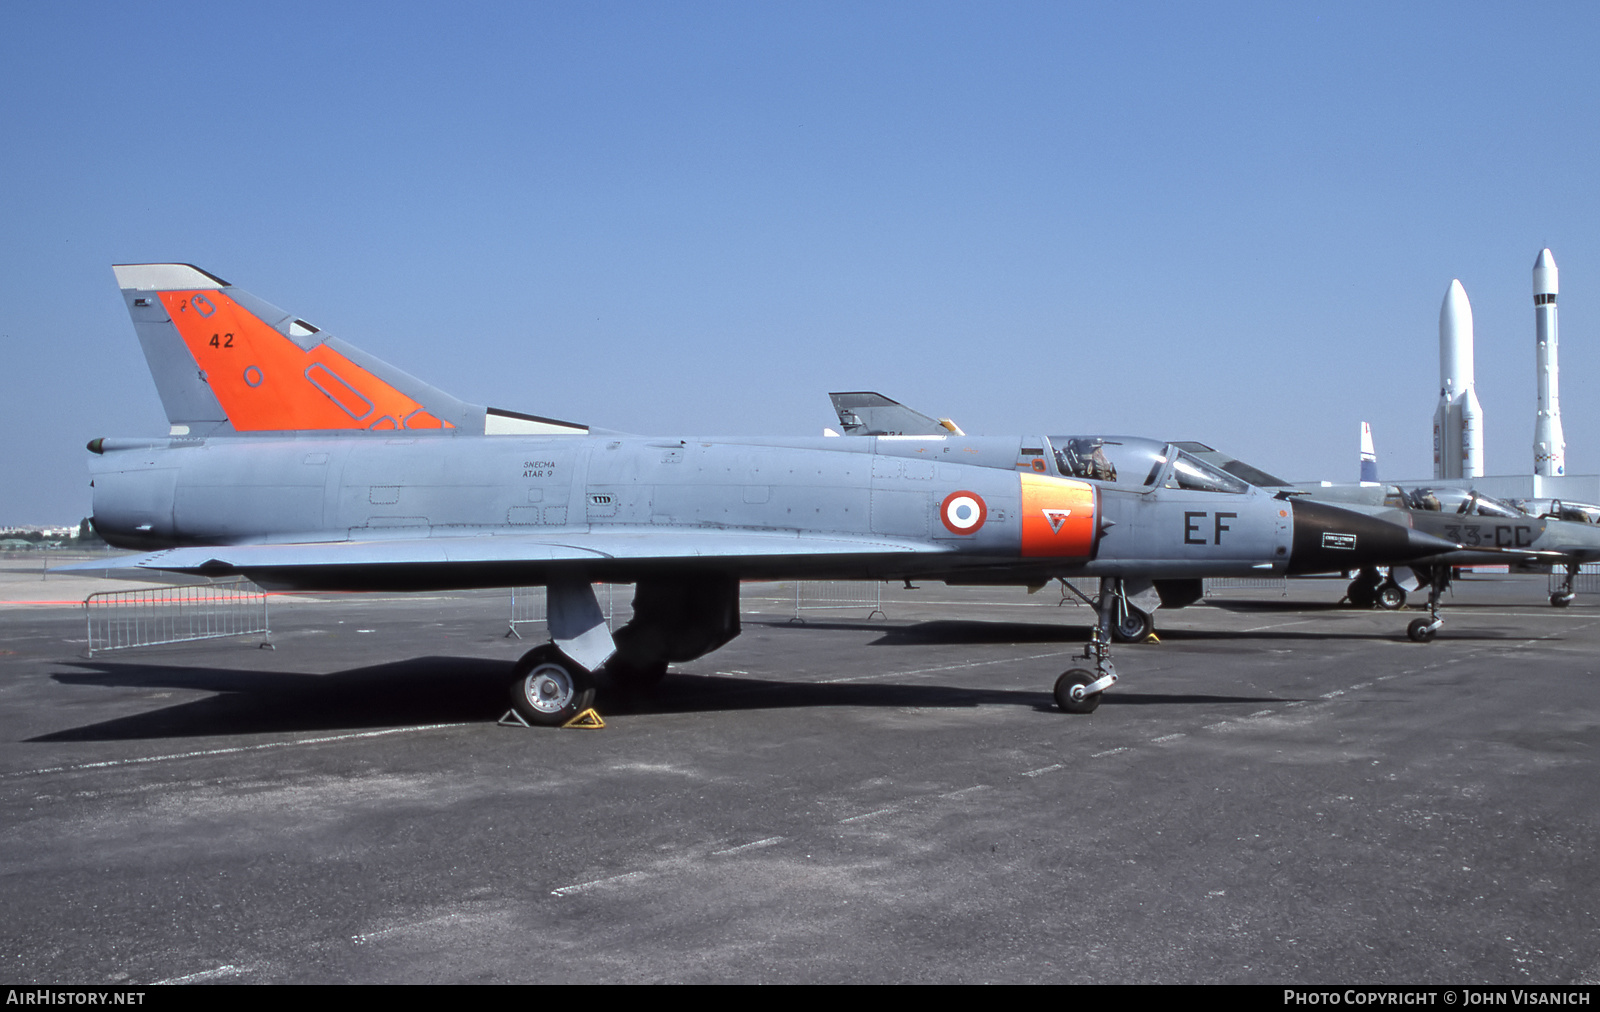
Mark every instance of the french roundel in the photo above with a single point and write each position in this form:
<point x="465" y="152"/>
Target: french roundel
<point x="963" y="512"/>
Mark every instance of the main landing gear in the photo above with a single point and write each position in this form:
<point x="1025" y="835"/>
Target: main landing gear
<point x="1372" y="589"/>
<point x="1132" y="625"/>
<point x="548" y="688"/>
<point x="1078" y="689"/>
<point x="676" y="618"/>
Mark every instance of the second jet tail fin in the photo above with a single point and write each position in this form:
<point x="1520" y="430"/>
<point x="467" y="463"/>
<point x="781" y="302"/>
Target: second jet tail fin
<point x="866" y="413"/>
<point x="1369" y="457"/>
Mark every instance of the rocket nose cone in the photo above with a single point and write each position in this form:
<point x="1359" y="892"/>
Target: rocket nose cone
<point x="1455" y="338"/>
<point x="1546" y="279"/>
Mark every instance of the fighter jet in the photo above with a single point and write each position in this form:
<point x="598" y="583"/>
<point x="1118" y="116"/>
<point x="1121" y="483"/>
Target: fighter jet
<point x="1491" y="532"/>
<point x="302" y="462"/>
<point x="1487" y="531"/>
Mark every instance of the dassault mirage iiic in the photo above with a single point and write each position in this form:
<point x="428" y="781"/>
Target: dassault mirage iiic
<point x="302" y="462"/>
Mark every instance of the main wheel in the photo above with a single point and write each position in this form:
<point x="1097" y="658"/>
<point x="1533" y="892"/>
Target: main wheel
<point x="1420" y="630"/>
<point x="1560" y="600"/>
<point x="1069" y="691"/>
<point x="548" y="689"/>
<point x="1132" y="625"/>
<point x="1391" y="597"/>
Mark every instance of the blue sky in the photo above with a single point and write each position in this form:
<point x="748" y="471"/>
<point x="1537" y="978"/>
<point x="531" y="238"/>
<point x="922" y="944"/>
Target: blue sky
<point x="1232" y="222"/>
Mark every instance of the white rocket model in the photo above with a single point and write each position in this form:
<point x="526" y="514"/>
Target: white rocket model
<point x="1549" y="444"/>
<point x="1458" y="422"/>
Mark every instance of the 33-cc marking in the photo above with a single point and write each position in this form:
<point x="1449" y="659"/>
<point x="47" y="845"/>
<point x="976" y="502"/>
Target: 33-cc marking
<point x="1498" y="536"/>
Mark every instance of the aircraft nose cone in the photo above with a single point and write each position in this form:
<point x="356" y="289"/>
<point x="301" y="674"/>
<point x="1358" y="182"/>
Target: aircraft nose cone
<point x="1329" y="539"/>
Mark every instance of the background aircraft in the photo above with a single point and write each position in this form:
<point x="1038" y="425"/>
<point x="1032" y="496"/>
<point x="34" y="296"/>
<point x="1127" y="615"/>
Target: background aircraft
<point x="1486" y="530"/>
<point x="301" y="462"/>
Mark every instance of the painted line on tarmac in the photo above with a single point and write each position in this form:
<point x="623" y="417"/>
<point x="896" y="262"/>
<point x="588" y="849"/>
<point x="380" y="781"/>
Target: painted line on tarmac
<point x="768" y="842"/>
<point x="372" y="936"/>
<point x="1548" y="636"/>
<point x="583" y="887"/>
<point x="868" y="815"/>
<point x="1278" y="625"/>
<point x="912" y="802"/>
<point x="203" y="753"/>
<point x="228" y="970"/>
<point x="674" y="864"/>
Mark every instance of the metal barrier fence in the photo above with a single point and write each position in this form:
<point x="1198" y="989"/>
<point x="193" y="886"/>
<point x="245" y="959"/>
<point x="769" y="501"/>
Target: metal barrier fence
<point x="1273" y="586"/>
<point x="529" y="607"/>
<point x="1586" y="582"/>
<point x="838" y="595"/>
<point x="119" y="619"/>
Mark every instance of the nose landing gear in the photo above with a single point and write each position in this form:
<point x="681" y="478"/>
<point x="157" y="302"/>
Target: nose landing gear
<point x="1422" y="630"/>
<point x="1078" y="689"/>
<point x="1564" y="597"/>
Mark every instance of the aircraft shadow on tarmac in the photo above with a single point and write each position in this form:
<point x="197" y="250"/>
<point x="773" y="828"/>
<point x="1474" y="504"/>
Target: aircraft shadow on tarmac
<point x="956" y="632"/>
<point x="1284" y="605"/>
<point x="442" y="690"/>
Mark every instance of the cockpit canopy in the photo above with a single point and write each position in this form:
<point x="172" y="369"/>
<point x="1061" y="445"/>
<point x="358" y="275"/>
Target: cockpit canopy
<point x="1137" y="462"/>
<point x="1556" y="509"/>
<point x="1232" y="465"/>
<point x="1463" y="501"/>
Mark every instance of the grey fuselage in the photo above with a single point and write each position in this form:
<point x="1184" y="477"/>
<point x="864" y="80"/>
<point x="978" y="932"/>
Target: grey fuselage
<point x="885" y="491"/>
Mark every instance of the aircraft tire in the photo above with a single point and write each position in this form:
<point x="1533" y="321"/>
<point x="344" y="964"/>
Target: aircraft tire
<point x="1064" y="687"/>
<point x="1391" y="597"/>
<point x="1132" y="625"/>
<point x="1419" y="630"/>
<point x="1560" y="600"/>
<point x="548" y="689"/>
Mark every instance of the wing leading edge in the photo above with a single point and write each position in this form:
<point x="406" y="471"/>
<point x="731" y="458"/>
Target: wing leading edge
<point x="497" y="560"/>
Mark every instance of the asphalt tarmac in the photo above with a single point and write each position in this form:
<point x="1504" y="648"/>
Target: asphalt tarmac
<point x="1280" y="790"/>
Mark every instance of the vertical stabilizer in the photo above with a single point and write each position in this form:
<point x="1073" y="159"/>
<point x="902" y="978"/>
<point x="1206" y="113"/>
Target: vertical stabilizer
<point x="224" y="361"/>
<point x="1369" y="456"/>
<point x="865" y="413"/>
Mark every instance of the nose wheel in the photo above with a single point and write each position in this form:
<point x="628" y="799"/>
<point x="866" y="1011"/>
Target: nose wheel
<point x="1423" y="630"/>
<point x="1078" y="689"/>
<point x="1564" y="597"/>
